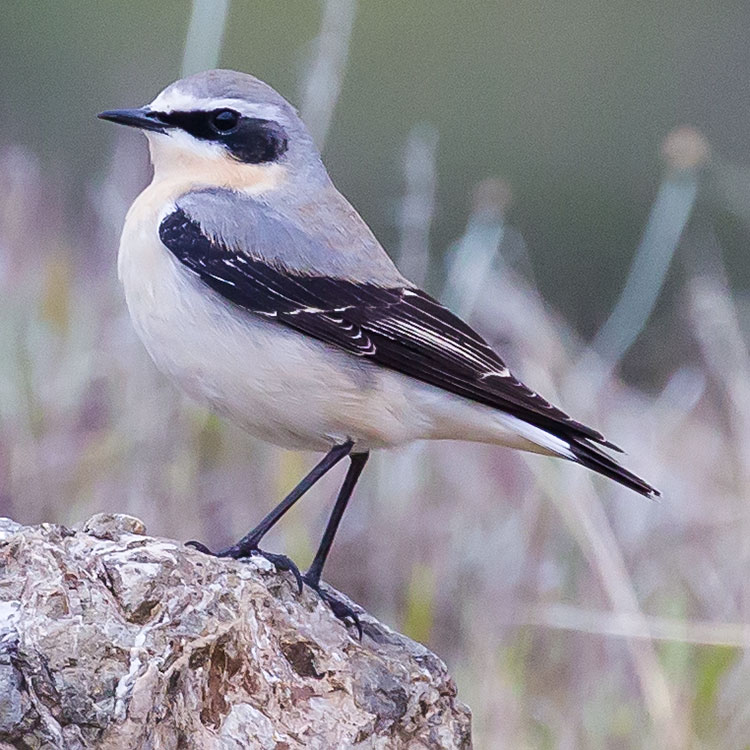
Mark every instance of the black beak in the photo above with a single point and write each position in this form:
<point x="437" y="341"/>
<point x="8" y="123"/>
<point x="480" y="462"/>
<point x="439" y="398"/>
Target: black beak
<point x="142" y="118"/>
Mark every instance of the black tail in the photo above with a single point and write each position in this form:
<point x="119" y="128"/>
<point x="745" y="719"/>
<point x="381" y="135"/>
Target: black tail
<point x="592" y="457"/>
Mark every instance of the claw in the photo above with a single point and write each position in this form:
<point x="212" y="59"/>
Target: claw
<point x="281" y="562"/>
<point x="340" y="609"/>
<point x="199" y="546"/>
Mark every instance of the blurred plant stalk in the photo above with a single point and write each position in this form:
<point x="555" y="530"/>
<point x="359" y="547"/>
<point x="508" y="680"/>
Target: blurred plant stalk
<point x="205" y="36"/>
<point x="627" y="625"/>
<point x="326" y="66"/>
<point x="472" y="261"/>
<point x="725" y="353"/>
<point x="417" y="206"/>
<point x="685" y="152"/>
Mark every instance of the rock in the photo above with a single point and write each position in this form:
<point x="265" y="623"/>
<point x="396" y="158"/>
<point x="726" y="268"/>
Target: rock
<point x="111" y="639"/>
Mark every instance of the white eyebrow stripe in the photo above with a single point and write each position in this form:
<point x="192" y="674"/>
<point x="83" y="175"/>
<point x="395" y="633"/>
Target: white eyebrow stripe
<point x="180" y="101"/>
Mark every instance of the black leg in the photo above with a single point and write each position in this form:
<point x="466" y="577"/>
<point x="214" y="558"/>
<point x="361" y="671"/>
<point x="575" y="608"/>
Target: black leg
<point x="248" y="545"/>
<point x="312" y="577"/>
<point x="252" y="539"/>
<point x="358" y="461"/>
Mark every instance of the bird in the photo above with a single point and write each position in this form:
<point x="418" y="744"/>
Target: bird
<point x="256" y="286"/>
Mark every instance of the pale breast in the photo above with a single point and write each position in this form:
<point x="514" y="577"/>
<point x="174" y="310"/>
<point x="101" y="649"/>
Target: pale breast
<point x="276" y="383"/>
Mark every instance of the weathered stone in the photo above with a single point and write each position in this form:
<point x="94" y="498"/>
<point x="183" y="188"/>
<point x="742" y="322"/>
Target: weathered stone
<point x="110" y="639"/>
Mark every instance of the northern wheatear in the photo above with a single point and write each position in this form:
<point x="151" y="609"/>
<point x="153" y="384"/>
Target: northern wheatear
<point x="255" y="285"/>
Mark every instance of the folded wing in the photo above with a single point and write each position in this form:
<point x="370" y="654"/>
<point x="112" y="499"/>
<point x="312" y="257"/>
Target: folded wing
<point x="401" y="328"/>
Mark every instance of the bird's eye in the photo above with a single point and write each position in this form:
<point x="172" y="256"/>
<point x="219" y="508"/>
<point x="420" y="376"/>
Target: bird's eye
<point x="224" y="120"/>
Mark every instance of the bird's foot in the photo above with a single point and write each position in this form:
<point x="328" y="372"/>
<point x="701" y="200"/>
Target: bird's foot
<point x="339" y="607"/>
<point x="243" y="552"/>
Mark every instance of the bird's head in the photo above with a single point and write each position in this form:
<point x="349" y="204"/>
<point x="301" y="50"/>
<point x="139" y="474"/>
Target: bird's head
<point x="226" y="128"/>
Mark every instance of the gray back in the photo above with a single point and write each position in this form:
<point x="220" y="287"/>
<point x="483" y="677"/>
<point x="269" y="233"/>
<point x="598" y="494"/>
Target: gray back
<point x="322" y="235"/>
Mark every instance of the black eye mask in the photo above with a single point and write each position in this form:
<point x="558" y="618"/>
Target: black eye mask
<point x="248" y="139"/>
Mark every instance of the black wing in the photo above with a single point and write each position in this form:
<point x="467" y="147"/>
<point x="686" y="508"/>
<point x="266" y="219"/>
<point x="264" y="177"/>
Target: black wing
<point x="400" y="328"/>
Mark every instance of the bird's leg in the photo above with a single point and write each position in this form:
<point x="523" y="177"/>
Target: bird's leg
<point x="248" y="545"/>
<point x="314" y="572"/>
<point x="312" y="577"/>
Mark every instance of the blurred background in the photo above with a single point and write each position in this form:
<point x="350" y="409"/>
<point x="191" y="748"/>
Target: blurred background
<point x="574" y="179"/>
